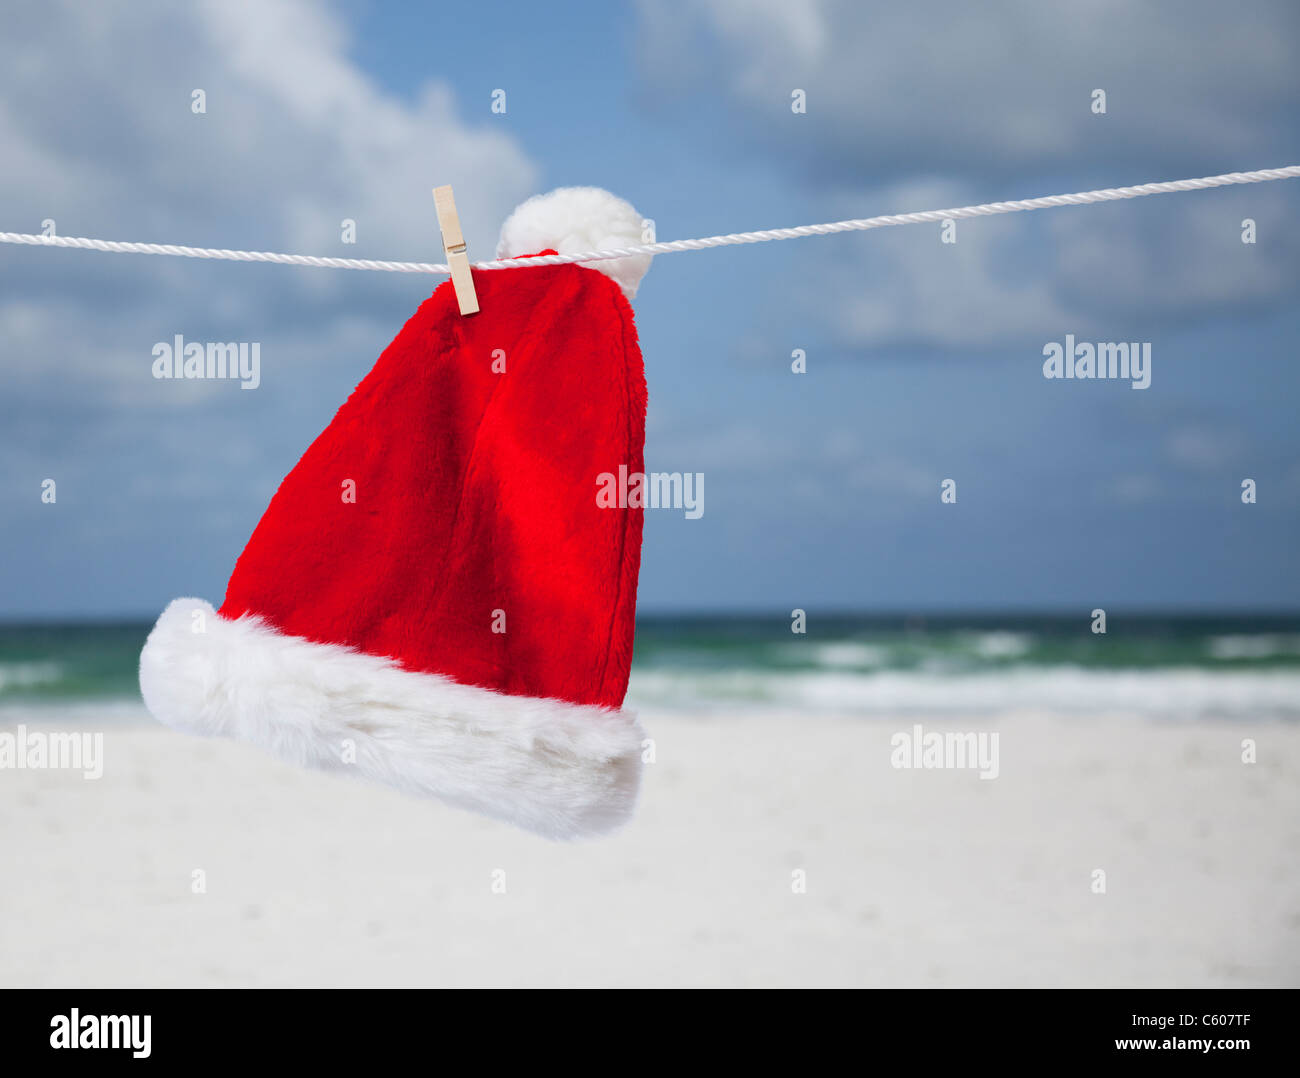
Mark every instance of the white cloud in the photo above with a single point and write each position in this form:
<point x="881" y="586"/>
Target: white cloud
<point x="994" y="88"/>
<point x="903" y="285"/>
<point x="1099" y="272"/>
<point x="97" y="133"/>
<point x="927" y="105"/>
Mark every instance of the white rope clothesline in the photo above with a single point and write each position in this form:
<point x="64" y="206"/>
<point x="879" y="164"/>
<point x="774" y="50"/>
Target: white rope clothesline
<point x="927" y="216"/>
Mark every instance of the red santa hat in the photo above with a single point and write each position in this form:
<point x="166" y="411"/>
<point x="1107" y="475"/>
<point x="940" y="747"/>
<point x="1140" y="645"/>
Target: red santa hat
<point x="434" y="598"/>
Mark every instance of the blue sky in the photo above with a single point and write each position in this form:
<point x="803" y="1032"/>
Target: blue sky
<point x="822" y="490"/>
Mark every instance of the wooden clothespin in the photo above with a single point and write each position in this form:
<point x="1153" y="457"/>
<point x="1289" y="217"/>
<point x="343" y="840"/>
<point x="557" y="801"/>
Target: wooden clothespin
<point x="453" y="242"/>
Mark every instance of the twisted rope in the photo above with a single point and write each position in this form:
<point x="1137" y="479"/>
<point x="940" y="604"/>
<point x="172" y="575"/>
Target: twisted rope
<point x="1081" y="198"/>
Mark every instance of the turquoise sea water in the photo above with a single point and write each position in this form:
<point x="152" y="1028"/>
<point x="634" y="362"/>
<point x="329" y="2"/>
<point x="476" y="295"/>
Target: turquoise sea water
<point x="1233" y="667"/>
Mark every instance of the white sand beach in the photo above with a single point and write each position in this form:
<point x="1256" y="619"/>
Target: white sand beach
<point x="913" y="878"/>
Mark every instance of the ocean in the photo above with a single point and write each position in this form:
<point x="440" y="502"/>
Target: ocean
<point x="1164" y="667"/>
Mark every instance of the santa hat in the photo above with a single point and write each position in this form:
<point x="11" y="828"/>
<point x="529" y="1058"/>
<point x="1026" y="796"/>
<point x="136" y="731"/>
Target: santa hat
<point x="434" y="598"/>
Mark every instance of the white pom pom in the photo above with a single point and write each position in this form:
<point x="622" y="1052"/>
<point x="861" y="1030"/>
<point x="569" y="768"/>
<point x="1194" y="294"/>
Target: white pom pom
<point x="574" y="219"/>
